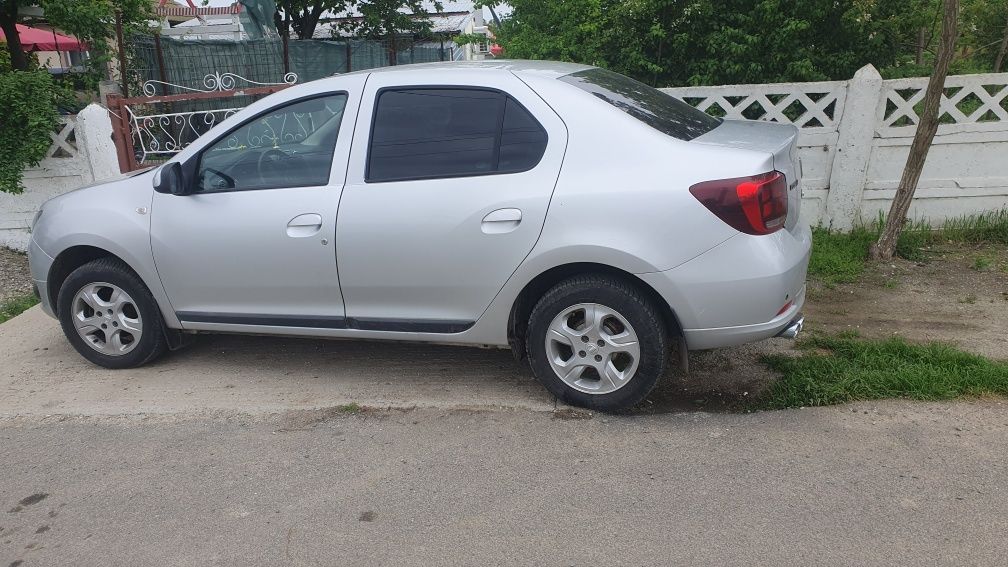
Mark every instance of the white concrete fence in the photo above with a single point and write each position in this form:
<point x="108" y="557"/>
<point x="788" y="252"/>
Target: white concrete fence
<point x="82" y="152"/>
<point x="855" y="136"/>
<point x="854" y="140"/>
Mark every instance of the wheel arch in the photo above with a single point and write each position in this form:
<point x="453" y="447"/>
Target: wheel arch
<point x="69" y="260"/>
<point x="76" y="256"/>
<point x="523" y="304"/>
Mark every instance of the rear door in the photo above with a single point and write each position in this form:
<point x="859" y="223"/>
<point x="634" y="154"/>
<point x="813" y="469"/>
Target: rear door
<point x="446" y="194"/>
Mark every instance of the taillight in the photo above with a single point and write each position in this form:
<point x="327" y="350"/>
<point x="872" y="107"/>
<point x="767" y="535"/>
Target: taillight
<point x="753" y="205"/>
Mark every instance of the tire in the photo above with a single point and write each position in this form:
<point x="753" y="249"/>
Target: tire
<point x="625" y="313"/>
<point x="133" y="311"/>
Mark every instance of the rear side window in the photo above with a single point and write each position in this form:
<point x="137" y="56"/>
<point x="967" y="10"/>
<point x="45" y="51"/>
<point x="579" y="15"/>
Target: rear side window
<point x="427" y="133"/>
<point x="658" y="110"/>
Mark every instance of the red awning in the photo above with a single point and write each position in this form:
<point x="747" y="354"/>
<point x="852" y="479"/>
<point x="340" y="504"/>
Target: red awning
<point x="34" y="39"/>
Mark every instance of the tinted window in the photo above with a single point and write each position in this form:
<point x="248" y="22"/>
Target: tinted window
<point x="662" y="112"/>
<point x="523" y="140"/>
<point x="287" y="147"/>
<point x="428" y="133"/>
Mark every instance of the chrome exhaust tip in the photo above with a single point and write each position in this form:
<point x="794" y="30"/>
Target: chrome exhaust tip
<point x="793" y="328"/>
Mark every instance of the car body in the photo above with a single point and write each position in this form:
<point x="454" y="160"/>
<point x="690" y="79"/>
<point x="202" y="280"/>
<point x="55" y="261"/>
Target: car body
<point x="451" y="239"/>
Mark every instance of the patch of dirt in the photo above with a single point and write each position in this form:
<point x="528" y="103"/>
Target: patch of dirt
<point x="15" y="278"/>
<point x="958" y="296"/>
<point x="719" y="380"/>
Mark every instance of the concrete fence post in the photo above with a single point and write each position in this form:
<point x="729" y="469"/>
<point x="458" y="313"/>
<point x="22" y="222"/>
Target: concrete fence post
<point x="854" y="144"/>
<point x="94" y="139"/>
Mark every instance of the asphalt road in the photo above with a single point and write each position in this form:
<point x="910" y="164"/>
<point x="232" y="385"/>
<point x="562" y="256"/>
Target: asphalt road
<point x="266" y="472"/>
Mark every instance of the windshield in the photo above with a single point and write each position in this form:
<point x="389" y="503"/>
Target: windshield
<point x="658" y="110"/>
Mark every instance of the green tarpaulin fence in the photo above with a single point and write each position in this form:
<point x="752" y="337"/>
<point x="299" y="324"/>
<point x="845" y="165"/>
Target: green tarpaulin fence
<point x="187" y="62"/>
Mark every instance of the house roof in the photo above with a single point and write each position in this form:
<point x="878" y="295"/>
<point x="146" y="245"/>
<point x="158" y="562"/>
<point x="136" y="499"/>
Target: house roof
<point x="549" y="68"/>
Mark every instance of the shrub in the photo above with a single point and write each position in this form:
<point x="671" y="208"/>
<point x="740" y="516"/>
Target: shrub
<point x="27" y="116"/>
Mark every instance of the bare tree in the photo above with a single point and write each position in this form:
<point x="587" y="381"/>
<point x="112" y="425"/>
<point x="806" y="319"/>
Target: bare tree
<point x="926" y="128"/>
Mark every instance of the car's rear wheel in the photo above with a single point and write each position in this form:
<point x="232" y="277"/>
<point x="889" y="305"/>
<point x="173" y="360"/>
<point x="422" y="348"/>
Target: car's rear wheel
<point x="597" y="342"/>
<point x="109" y="315"/>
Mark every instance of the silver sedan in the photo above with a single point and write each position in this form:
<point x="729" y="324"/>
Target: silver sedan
<point x="590" y="222"/>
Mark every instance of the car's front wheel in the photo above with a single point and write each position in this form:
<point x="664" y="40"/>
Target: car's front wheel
<point x="597" y="342"/>
<point x="109" y="315"/>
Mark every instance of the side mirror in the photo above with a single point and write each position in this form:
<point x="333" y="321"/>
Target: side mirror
<point x="170" y="180"/>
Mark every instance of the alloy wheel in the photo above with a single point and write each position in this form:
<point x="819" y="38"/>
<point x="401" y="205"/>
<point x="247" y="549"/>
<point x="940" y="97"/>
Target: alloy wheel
<point x="107" y="318"/>
<point x="592" y="348"/>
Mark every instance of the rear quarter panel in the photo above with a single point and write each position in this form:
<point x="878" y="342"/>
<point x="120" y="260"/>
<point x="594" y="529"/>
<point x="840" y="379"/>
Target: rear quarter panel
<point x="624" y="187"/>
<point x="622" y="198"/>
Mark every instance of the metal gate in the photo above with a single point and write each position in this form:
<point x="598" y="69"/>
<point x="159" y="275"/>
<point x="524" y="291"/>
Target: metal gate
<point x="150" y="129"/>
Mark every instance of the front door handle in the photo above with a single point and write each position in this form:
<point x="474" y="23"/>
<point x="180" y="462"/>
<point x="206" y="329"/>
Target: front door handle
<point x="501" y="221"/>
<point x="305" y="225"/>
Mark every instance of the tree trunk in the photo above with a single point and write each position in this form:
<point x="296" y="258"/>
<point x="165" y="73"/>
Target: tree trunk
<point x="921" y="43"/>
<point x="8" y="22"/>
<point x="926" y="129"/>
<point x="1002" y="51"/>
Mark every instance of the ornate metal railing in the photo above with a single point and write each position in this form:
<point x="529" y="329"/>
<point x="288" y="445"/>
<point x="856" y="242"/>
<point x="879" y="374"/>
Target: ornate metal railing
<point x="150" y="129"/>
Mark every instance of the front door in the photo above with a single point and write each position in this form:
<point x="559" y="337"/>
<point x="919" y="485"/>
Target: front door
<point x="253" y="244"/>
<point x="446" y="194"/>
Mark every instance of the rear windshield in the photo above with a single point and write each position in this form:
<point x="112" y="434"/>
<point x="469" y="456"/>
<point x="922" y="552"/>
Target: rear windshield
<point x="658" y="110"/>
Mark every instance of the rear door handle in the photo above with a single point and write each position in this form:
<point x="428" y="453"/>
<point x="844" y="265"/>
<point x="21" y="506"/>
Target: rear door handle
<point x="301" y="226"/>
<point x="501" y="221"/>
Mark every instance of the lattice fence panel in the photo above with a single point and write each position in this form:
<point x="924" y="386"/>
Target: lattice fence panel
<point x="806" y="105"/>
<point x="64" y="139"/>
<point x="967" y="99"/>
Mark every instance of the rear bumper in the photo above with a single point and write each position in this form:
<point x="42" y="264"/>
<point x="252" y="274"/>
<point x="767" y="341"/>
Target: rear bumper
<point x="716" y="337"/>
<point x="737" y="292"/>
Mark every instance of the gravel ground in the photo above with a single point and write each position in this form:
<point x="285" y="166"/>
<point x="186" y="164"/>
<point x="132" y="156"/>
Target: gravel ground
<point x="14" y="276"/>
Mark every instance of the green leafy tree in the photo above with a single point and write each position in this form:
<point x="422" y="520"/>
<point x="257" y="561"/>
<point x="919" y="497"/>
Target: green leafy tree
<point x="395" y="21"/>
<point x="681" y="42"/>
<point x="570" y="30"/>
<point x="303" y="16"/>
<point x="382" y="18"/>
<point x="28" y="95"/>
<point x="27" y="116"/>
<point x="985" y="30"/>
<point x="92" y="21"/>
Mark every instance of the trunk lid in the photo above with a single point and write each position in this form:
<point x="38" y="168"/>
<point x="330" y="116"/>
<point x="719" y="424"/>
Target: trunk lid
<point x="778" y="140"/>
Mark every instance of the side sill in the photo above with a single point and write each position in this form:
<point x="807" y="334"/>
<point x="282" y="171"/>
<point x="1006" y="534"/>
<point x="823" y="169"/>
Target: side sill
<point x="323" y="322"/>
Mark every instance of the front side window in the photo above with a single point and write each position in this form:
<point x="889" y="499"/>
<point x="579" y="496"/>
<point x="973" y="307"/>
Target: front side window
<point x="291" y="146"/>
<point x="426" y="133"/>
<point x="658" y="110"/>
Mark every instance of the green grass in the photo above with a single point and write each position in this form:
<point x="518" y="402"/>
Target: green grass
<point x="845" y="368"/>
<point x="351" y="408"/>
<point x="13" y="307"/>
<point x="981" y="264"/>
<point x="984" y="228"/>
<point x="841" y="257"/>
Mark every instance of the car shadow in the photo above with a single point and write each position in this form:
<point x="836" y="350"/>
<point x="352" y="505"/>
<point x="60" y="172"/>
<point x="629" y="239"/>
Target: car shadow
<point x="719" y="381"/>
